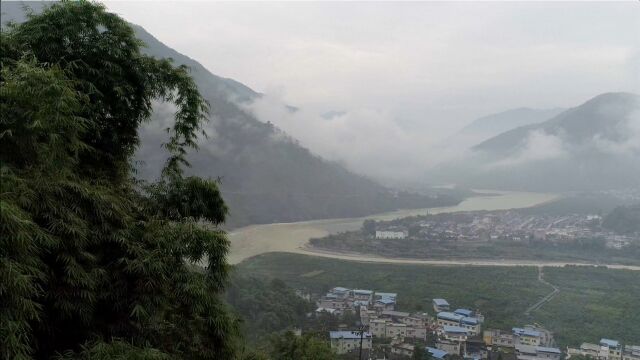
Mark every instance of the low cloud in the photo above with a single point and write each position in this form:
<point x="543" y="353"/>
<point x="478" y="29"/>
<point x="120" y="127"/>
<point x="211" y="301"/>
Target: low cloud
<point x="629" y="134"/>
<point x="538" y="146"/>
<point x="367" y="141"/>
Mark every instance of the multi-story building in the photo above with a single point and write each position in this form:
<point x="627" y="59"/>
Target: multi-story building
<point x="631" y="352"/>
<point x="611" y="349"/>
<point x="454" y="333"/>
<point x="378" y="327"/>
<point x="493" y="337"/>
<point x="527" y="336"/>
<point x="395" y="330"/>
<point x="384" y="304"/>
<point x="362" y="295"/>
<point x="586" y="349"/>
<point x="440" y="305"/>
<point x="471" y="324"/>
<point x="384" y="234"/>
<point x="402" y="349"/>
<point x="344" y="342"/>
<point x="530" y="352"/>
<point x="449" y="346"/>
<point x="437" y="353"/>
<point x="446" y="318"/>
<point x="340" y="292"/>
<point x="418" y="333"/>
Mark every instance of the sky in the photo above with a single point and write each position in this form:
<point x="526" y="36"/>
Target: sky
<point x="401" y="77"/>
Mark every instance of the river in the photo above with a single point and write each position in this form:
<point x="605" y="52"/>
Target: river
<point x="293" y="237"/>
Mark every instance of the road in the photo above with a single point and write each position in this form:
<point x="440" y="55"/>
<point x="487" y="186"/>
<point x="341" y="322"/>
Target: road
<point x="547" y="297"/>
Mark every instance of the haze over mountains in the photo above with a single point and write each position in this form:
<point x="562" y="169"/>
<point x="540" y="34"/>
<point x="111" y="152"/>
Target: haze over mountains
<point x="491" y="125"/>
<point x="268" y="176"/>
<point x="593" y="146"/>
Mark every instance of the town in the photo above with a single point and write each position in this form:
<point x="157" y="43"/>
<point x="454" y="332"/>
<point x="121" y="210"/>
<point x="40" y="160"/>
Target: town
<point x="497" y="234"/>
<point x="384" y="332"/>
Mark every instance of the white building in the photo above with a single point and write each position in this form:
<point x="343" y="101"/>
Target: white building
<point x="344" y="342"/>
<point x="391" y="234"/>
<point x="631" y="352"/>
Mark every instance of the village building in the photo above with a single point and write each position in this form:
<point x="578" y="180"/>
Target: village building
<point x="402" y="350"/>
<point x="631" y="352"/>
<point x="386" y="234"/>
<point x="530" y="352"/>
<point x="449" y="346"/>
<point x="527" y="336"/>
<point x="494" y="337"/>
<point x="454" y="333"/>
<point x="345" y="342"/>
<point x="437" y="353"/>
<point x="611" y="348"/>
<point x="440" y="305"/>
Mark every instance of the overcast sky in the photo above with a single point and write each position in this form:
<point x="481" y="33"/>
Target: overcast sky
<point x="419" y="70"/>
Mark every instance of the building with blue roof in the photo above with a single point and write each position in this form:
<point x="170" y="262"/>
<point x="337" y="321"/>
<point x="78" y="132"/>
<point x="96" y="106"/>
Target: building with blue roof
<point x="612" y="347"/>
<point x="609" y="343"/>
<point x="529" y="352"/>
<point x="464" y="312"/>
<point x="470" y="321"/>
<point x="449" y="316"/>
<point x="440" y="305"/>
<point x="471" y="324"/>
<point x="454" y="333"/>
<point x="527" y="336"/>
<point x="382" y="295"/>
<point x="437" y="353"/>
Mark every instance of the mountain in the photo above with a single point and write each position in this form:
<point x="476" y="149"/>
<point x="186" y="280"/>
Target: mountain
<point x="266" y="176"/>
<point x="491" y="125"/>
<point x="589" y="147"/>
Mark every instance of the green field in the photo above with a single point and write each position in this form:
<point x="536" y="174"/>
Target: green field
<point x="593" y="302"/>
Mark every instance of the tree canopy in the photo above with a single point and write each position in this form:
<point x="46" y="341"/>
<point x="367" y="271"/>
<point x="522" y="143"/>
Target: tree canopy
<point x="93" y="263"/>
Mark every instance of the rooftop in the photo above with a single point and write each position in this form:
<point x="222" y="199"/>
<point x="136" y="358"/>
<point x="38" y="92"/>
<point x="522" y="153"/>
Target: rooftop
<point x="548" y="350"/>
<point x="437" y="353"/>
<point x="470" y="320"/>
<point x="339" y="289"/>
<point x="610" y="343"/>
<point x="440" y="302"/>
<point x="589" y="346"/>
<point x="463" y="312"/>
<point x="386" y="301"/>
<point x="347" y="335"/>
<point x="362" y="292"/>
<point x="445" y="315"/>
<point x="455" y="329"/>
<point x="395" y="313"/>
<point x="385" y="294"/>
<point x="529" y="349"/>
<point x="525" y="332"/>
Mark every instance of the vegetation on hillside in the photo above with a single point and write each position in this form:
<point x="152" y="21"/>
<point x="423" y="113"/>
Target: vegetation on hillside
<point x="266" y="306"/>
<point x="623" y="220"/>
<point x="94" y="264"/>
<point x="593" y="302"/>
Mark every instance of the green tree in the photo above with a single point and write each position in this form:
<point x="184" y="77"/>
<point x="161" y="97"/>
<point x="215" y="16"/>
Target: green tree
<point x="288" y="346"/>
<point x="369" y="227"/>
<point x="94" y="264"/>
<point x="420" y="353"/>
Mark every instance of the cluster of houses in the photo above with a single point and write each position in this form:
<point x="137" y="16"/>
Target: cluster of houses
<point x="377" y="311"/>
<point x="452" y="333"/>
<point x="340" y="300"/>
<point x="607" y="349"/>
<point x="506" y="225"/>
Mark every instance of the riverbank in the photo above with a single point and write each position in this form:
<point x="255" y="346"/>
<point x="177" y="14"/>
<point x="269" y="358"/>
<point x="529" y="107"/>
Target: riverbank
<point x="293" y="237"/>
